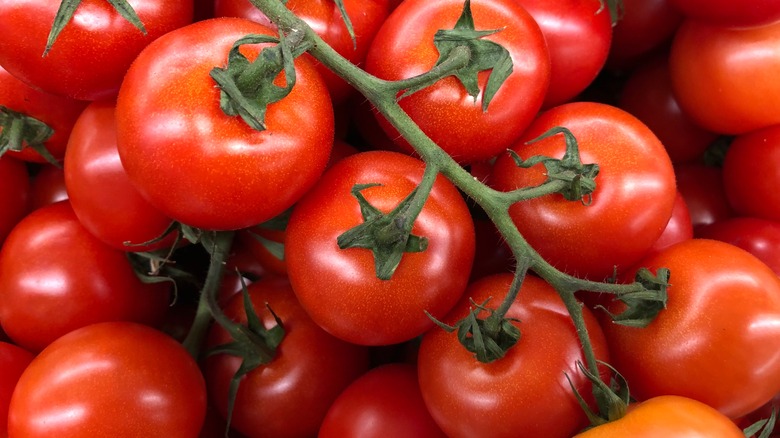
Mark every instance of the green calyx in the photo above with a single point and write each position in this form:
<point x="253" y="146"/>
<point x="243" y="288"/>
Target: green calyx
<point x="613" y="398"/>
<point x="247" y="88"/>
<point x="579" y="178"/>
<point x="68" y="8"/>
<point x="20" y="130"/>
<point x="644" y="305"/>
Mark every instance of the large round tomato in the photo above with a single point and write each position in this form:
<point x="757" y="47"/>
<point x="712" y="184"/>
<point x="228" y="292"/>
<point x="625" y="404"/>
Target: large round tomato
<point x="14" y="192"/>
<point x="101" y="194"/>
<point x="200" y="166"/>
<point x="724" y="77"/>
<point x="644" y="26"/>
<point x="703" y="190"/>
<point x="668" y="416"/>
<point x="47" y="186"/>
<point x="524" y="393"/>
<point x="678" y="228"/>
<point x="290" y="395"/>
<point x="13" y="361"/>
<point x="56" y="277"/>
<point x="760" y="237"/>
<point x="339" y="288"/>
<point x="110" y="379"/>
<point x="632" y="202"/>
<point x="404" y="47"/>
<point x="93" y="51"/>
<point x="730" y="12"/>
<point x="718" y="337"/>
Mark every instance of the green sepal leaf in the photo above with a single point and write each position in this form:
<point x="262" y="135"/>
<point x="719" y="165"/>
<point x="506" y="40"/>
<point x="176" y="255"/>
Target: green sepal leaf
<point x="157" y="267"/>
<point x="20" y="130"/>
<point x="68" y="8"/>
<point x="347" y="21"/>
<point x="613" y="398"/>
<point x="615" y="7"/>
<point x="643" y="306"/>
<point x="275" y="248"/>
<point x="485" y="55"/>
<point x="765" y="426"/>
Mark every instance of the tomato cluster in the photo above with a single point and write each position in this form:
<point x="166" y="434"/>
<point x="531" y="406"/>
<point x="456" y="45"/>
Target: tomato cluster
<point x="490" y="218"/>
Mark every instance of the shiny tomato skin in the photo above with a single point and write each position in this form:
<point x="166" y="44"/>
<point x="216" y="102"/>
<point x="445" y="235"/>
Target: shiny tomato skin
<point x="56" y="277"/>
<point x="704" y="192"/>
<point x="340" y="289"/>
<point x="678" y="229"/>
<point x="13" y="361"/>
<point x="578" y="35"/>
<point x="668" y="416"/>
<point x="206" y="169"/>
<point x="618" y="227"/>
<point x="645" y="27"/>
<point x="14" y="194"/>
<point x="93" y="51"/>
<point x="723" y="77"/>
<point x="47" y="186"/>
<point x="527" y="389"/>
<point x="110" y="379"/>
<point x="760" y="237"/>
<point x="100" y="192"/>
<point x="385" y="401"/>
<point x="290" y="395"/>
<point x="445" y="111"/>
<point x="717" y="339"/>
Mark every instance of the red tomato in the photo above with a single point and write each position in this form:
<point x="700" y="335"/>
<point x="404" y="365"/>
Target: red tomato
<point x="703" y="190"/>
<point x="678" y="229"/>
<point x="618" y="227"/>
<point x="385" y="401"/>
<point x="100" y="192"/>
<point x="445" y="111"/>
<point x="325" y="18"/>
<point x="668" y="416"/>
<point x="646" y="25"/>
<point x="717" y="339"/>
<point x="14" y="192"/>
<point x="339" y="288"/>
<point x="647" y="94"/>
<point x="13" y="361"/>
<point x="93" y="51"/>
<point x="750" y="176"/>
<point x="289" y="396"/>
<point x="58" y="113"/>
<point x="110" y="379"/>
<point x="578" y="35"/>
<point x="723" y="77"/>
<point x="524" y="392"/>
<point x="56" y="277"/>
<point x="760" y="237"/>
<point x="47" y="186"/>
<point x="730" y="12"/>
<point x="207" y="169"/>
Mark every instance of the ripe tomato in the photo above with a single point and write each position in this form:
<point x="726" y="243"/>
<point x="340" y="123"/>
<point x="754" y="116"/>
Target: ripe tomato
<point x="93" y="51"/>
<point x="524" y="392"/>
<point x="56" y="277"/>
<point x="760" y="237"/>
<point x="618" y="227"/>
<point x="289" y="396"/>
<point x="205" y="168"/>
<point x="717" y="339"/>
<point x="668" y="416"/>
<point x="47" y="186"/>
<point x="110" y="379"/>
<point x="730" y="12"/>
<point x="385" y="401"/>
<point x="750" y="176"/>
<point x="13" y="361"/>
<point x="578" y="35"/>
<point x="339" y="288"/>
<point x="325" y="18"/>
<point x="14" y="192"/>
<point x="445" y="111"/>
<point x="703" y="190"/>
<point x="644" y="27"/>
<point x="723" y="77"/>
<point x="678" y="228"/>
<point x="101" y="194"/>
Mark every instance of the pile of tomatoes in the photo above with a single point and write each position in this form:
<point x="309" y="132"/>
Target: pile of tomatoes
<point x="199" y="244"/>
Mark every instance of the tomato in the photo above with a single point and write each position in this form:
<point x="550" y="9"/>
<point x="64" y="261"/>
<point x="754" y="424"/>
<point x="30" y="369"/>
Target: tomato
<point x="492" y="254"/>
<point x="445" y="111"/>
<point x="288" y="396"/>
<point x="760" y="237"/>
<point x="679" y="227"/>
<point x="703" y="189"/>
<point x="670" y="416"/>
<point x="93" y="51"/>
<point x="648" y="95"/>
<point x="186" y="169"/>
<point x="110" y="379"/>
<point x="56" y="112"/>
<point x="618" y="227"/>
<point x="578" y="35"/>
<point x="339" y="288"/>
<point x="325" y="18"/>
<point x="644" y="27"/>
<point x="723" y="76"/>
<point x="750" y="174"/>
<point x="385" y="401"/>
<point x="526" y="391"/>
<point x="717" y="339"/>
<point x="730" y="12"/>
<point x="13" y="361"/>
<point x="47" y="186"/>
<point x="56" y="277"/>
<point x="14" y="192"/>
